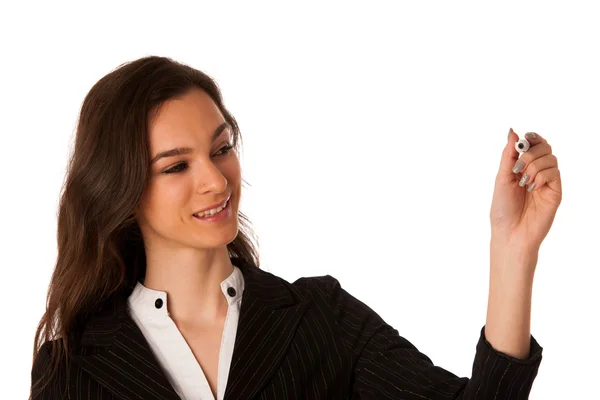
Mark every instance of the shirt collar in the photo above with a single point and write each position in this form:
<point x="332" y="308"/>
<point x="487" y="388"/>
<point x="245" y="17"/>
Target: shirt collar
<point x="153" y="303"/>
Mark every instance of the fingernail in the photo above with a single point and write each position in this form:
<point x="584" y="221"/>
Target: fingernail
<point x="530" y="187"/>
<point x="509" y="132"/>
<point x="530" y="135"/>
<point x="518" y="166"/>
<point x="523" y="180"/>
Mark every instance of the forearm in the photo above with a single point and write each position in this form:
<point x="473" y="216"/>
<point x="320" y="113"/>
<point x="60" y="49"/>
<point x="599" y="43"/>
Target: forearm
<point x="508" y="319"/>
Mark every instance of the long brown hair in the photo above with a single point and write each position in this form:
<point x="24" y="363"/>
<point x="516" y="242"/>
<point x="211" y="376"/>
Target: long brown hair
<point x="100" y="247"/>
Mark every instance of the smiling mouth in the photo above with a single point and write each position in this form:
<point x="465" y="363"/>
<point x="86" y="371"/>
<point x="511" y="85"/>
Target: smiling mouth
<point x="214" y="211"/>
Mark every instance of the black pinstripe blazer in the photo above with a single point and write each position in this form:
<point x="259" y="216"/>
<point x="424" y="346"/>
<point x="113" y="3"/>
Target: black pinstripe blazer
<point x="306" y="340"/>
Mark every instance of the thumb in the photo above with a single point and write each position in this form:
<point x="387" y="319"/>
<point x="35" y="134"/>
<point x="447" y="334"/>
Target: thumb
<point x="509" y="157"/>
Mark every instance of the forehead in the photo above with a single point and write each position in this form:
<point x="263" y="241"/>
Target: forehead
<point x="193" y="116"/>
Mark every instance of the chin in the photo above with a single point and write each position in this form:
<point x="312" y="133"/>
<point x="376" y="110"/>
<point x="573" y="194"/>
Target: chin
<point x="217" y="237"/>
<point x="231" y="237"/>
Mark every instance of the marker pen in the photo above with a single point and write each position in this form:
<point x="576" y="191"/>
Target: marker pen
<point x="522" y="145"/>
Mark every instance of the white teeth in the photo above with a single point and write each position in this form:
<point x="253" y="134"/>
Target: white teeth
<point x="212" y="212"/>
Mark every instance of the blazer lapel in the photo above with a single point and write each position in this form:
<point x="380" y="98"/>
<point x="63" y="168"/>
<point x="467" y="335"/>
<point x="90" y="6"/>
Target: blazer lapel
<point x="115" y="353"/>
<point x="269" y="316"/>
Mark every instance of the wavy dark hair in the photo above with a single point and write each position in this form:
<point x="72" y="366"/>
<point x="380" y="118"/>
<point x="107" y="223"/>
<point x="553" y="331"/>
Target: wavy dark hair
<point x="100" y="247"/>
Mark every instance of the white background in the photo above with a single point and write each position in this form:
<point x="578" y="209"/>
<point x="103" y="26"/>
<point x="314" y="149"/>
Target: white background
<point x="372" y="136"/>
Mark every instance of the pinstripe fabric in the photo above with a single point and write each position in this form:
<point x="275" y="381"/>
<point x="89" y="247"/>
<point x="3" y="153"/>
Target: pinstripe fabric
<point x="306" y="340"/>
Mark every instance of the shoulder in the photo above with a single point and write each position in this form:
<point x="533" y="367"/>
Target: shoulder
<point x="357" y="322"/>
<point x="324" y="289"/>
<point x="325" y="283"/>
<point x="324" y="294"/>
<point x="40" y="371"/>
<point x="42" y="358"/>
<point x="327" y="292"/>
<point x="271" y="287"/>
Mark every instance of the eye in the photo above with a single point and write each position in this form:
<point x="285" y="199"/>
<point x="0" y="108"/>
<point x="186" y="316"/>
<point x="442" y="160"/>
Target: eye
<point x="176" y="168"/>
<point x="224" y="150"/>
<point x="183" y="166"/>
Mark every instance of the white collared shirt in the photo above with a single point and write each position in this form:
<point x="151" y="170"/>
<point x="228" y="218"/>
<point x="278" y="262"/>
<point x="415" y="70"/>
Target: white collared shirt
<point x="148" y="308"/>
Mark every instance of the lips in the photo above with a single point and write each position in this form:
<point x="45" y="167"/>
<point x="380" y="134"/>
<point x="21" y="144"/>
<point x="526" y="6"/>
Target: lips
<point x="217" y="205"/>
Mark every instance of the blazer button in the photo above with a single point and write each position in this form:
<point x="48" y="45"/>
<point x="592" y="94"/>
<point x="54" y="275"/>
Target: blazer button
<point x="158" y="303"/>
<point x="231" y="291"/>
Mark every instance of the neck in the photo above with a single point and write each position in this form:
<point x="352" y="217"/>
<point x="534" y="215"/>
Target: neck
<point x="192" y="280"/>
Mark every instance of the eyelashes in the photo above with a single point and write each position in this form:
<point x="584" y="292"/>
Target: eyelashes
<point x="183" y="166"/>
<point x="176" y="169"/>
<point x="224" y="150"/>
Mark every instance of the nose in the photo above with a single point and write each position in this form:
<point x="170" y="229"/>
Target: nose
<point x="211" y="179"/>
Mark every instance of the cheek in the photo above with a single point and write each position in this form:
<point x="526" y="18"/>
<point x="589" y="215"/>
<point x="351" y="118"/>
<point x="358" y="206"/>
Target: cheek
<point x="231" y="170"/>
<point x="162" y="199"/>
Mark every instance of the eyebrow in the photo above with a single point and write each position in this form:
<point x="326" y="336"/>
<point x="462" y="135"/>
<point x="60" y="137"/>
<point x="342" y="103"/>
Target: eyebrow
<point x="186" y="150"/>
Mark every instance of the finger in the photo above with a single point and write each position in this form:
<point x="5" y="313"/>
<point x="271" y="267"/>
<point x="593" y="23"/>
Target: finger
<point x="510" y="155"/>
<point x="540" y="164"/>
<point x="535" y="151"/>
<point x="534" y="138"/>
<point x="550" y="176"/>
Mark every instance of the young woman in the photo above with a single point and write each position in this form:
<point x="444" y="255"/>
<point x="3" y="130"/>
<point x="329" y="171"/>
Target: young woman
<point x="157" y="291"/>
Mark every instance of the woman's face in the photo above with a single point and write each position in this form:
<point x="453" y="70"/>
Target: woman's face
<point x="181" y="185"/>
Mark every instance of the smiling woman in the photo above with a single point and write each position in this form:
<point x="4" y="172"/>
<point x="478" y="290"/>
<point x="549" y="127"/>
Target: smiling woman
<point x="157" y="291"/>
<point x="147" y="183"/>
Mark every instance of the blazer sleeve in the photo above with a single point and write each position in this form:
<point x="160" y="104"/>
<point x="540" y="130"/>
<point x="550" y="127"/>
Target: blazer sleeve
<point x="390" y="367"/>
